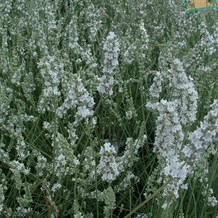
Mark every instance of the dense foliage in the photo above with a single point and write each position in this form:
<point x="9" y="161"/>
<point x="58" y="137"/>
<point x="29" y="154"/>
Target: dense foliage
<point x="108" y="109"/>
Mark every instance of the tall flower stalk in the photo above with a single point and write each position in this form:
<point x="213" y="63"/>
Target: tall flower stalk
<point x="111" y="49"/>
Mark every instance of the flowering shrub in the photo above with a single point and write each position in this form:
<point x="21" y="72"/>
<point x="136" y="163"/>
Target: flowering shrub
<point x="107" y="107"/>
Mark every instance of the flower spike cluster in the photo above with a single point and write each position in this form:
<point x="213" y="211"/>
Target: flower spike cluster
<point x="111" y="49"/>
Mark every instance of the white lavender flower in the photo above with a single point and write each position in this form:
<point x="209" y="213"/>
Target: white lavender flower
<point x="108" y="167"/>
<point x="76" y="97"/>
<point x="111" y="49"/>
<point x="178" y="109"/>
<point x="51" y="72"/>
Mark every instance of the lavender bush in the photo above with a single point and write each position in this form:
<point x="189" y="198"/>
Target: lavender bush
<point x="108" y="109"/>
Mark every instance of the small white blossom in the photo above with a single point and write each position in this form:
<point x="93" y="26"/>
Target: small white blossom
<point x="108" y="167"/>
<point x="111" y="49"/>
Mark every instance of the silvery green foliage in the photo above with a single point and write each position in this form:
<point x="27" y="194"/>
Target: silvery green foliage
<point x="94" y="22"/>
<point x="3" y="189"/>
<point x="74" y="78"/>
<point x="2" y="198"/>
<point x="110" y="201"/>
<point x="5" y="100"/>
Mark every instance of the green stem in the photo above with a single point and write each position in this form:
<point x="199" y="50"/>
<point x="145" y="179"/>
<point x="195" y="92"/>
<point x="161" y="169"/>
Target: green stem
<point x="147" y="200"/>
